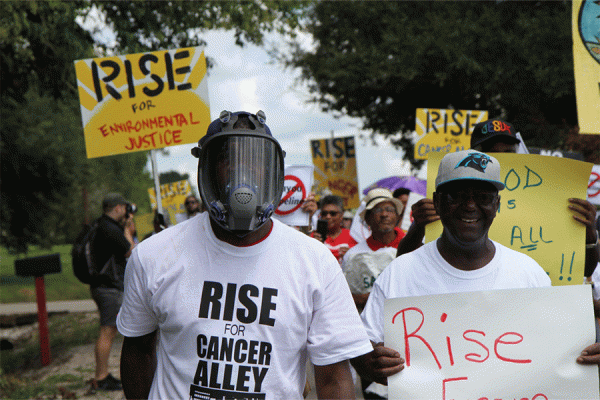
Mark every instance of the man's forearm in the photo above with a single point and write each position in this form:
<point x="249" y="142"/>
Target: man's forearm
<point x="138" y="364"/>
<point x="412" y="240"/>
<point x="334" y="381"/>
<point x="591" y="260"/>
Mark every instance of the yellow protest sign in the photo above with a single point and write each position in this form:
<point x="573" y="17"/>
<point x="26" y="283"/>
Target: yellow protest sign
<point x="533" y="217"/>
<point x="586" y="60"/>
<point x="172" y="197"/>
<point x="335" y="168"/>
<point x="143" y="224"/>
<point x="143" y="101"/>
<point x="444" y="131"/>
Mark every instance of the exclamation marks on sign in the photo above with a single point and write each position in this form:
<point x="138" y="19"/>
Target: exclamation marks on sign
<point x="562" y="264"/>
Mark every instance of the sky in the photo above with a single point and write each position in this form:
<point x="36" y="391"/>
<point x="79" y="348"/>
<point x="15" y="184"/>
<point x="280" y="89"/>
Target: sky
<point x="247" y="79"/>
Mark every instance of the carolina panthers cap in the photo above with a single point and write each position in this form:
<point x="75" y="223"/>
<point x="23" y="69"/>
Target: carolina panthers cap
<point x="493" y="128"/>
<point x="469" y="165"/>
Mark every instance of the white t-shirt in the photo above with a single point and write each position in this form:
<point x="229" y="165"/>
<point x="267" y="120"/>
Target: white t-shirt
<point x="425" y="272"/>
<point x="238" y="320"/>
<point x="596" y="282"/>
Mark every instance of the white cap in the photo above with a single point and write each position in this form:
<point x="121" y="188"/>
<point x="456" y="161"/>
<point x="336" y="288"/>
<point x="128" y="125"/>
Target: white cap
<point x="379" y="195"/>
<point x="469" y="165"/>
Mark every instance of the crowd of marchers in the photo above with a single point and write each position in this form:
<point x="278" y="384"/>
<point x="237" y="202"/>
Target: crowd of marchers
<point x="233" y="303"/>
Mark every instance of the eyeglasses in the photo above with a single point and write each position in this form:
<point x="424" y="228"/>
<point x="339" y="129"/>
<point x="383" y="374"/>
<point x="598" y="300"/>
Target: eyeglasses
<point x="190" y="202"/>
<point x="332" y="213"/>
<point x="381" y="210"/>
<point x="480" y="198"/>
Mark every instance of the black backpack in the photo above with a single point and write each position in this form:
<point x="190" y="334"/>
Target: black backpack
<point x="83" y="262"/>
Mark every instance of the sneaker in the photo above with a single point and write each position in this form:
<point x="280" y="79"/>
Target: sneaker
<point x="109" y="383"/>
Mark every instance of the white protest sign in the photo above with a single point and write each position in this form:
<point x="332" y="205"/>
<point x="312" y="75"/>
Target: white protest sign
<point x="501" y="344"/>
<point x="359" y="229"/>
<point x="593" y="191"/>
<point x="407" y="218"/>
<point x="296" y="188"/>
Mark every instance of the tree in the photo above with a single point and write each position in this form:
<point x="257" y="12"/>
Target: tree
<point x="172" y="176"/>
<point x="143" y="26"/>
<point x="44" y="166"/>
<point x="385" y="59"/>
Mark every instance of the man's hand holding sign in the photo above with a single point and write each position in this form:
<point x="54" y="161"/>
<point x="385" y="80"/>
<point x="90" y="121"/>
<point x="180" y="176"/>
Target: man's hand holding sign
<point x="465" y="259"/>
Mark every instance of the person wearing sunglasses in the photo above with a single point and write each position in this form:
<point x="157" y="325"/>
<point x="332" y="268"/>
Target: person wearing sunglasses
<point x="462" y="259"/>
<point x="192" y="206"/>
<point x="496" y="136"/>
<point x="337" y="238"/>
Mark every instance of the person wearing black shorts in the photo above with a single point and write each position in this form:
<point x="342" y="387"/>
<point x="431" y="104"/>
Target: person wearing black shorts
<point x="111" y="247"/>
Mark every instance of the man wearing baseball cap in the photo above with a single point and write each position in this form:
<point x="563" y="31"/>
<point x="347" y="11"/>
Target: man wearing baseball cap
<point x="110" y="248"/>
<point x="494" y="136"/>
<point x="497" y="136"/>
<point x="231" y="303"/>
<point x="462" y="259"/>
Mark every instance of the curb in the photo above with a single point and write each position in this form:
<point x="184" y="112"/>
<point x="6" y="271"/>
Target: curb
<point x="13" y="314"/>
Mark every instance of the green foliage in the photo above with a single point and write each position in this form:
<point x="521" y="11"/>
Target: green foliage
<point x="142" y="25"/>
<point x="39" y="40"/>
<point x="172" y="176"/>
<point x="385" y="59"/>
<point x="62" y="286"/>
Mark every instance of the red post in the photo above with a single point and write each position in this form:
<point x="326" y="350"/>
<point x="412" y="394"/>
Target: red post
<point x="42" y="319"/>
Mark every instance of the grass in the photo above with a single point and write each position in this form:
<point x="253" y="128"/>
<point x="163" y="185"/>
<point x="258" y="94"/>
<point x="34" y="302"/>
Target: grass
<point x="14" y="387"/>
<point x="61" y="286"/>
<point x="67" y="330"/>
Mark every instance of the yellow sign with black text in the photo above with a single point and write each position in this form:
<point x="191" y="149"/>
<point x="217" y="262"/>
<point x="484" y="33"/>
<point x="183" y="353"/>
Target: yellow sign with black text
<point x="172" y="197"/>
<point x="335" y="168"/>
<point x="143" y="101"/>
<point x="444" y="131"/>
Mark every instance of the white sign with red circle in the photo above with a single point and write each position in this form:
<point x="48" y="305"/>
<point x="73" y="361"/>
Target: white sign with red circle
<point x="593" y="192"/>
<point x="296" y="188"/>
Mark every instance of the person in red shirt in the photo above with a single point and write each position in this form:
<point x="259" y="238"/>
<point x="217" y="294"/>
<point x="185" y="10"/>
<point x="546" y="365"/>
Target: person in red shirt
<point x="338" y="239"/>
<point x="381" y="213"/>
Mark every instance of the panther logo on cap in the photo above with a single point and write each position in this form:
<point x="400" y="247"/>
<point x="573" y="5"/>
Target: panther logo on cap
<point x="476" y="161"/>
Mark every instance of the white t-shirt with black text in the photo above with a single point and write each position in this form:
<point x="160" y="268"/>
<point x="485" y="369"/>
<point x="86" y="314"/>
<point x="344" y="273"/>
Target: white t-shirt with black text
<point x="238" y="321"/>
<point x="425" y="272"/>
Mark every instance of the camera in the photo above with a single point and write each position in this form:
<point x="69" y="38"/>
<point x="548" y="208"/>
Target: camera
<point x="131" y="208"/>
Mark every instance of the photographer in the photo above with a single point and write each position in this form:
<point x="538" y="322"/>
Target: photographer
<point x="112" y="245"/>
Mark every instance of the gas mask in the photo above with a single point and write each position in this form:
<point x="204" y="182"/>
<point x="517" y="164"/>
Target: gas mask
<point x="240" y="171"/>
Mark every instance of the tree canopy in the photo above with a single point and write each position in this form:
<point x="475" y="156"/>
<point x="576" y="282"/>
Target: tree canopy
<point x="172" y="176"/>
<point x="379" y="61"/>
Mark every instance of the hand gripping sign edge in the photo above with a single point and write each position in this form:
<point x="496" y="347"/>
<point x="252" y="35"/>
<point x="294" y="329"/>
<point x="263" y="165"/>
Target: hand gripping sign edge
<point x="290" y="193"/>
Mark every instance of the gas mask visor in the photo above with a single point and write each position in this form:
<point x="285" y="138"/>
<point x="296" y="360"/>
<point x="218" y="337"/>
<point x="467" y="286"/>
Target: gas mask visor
<point x="240" y="177"/>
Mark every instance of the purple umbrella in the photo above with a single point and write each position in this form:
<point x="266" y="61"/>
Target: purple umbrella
<point x="395" y="182"/>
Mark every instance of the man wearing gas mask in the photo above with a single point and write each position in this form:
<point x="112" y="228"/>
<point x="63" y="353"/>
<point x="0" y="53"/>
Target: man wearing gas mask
<point x="232" y="303"/>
